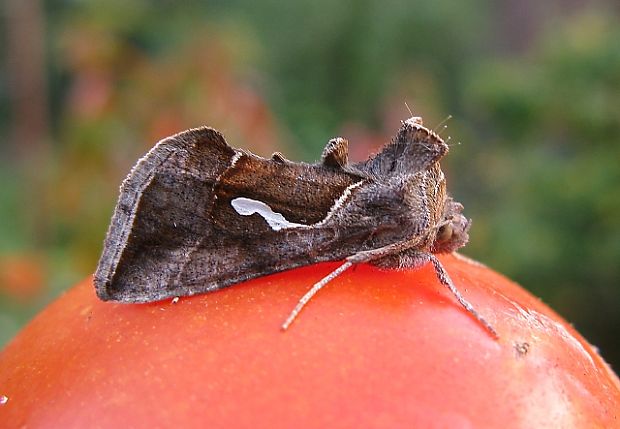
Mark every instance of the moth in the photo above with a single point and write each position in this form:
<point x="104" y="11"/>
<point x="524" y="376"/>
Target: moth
<point x="195" y="215"/>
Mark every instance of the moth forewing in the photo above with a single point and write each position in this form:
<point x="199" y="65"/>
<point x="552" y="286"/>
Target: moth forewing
<point x="176" y="232"/>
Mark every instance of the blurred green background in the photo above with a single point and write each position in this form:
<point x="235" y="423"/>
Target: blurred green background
<point x="86" y="87"/>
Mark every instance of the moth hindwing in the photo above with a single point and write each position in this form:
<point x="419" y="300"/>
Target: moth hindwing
<point x="193" y="207"/>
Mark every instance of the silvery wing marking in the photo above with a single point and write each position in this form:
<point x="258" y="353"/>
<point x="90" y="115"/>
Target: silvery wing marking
<point x="195" y="215"/>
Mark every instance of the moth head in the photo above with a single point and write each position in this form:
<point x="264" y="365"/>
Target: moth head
<point x="452" y="231"/>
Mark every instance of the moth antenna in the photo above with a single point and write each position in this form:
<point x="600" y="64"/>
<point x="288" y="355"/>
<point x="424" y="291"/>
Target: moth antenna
<point x="446" y="119"/>
<point x="451" y="145"/>
<point x="445" y="280"/>
<point x="445" y="127"/>
<point x="410" y="112"/>
<point x="317" y="287"/>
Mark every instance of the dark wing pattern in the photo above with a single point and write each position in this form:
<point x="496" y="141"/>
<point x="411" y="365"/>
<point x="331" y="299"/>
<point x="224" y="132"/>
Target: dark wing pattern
<point x="159" y="213"/>
<point x="174" y="231"/>
<point x="195" y="215"/>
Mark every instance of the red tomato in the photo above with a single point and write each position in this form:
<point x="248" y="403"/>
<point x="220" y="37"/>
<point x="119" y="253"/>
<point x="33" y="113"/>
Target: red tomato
<point x="373" y="349"/>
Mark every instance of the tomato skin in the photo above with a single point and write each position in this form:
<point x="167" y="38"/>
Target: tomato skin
<point x="373" y="349"/>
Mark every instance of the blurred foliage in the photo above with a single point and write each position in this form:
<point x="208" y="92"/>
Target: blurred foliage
<point x="553" y="118"/>
<point x="536" y="106"/>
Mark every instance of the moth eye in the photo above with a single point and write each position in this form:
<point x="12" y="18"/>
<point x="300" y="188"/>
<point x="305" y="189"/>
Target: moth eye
<point x="445" y="233"/>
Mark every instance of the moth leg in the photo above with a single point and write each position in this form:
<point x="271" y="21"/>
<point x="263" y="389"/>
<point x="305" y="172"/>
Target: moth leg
<point x="358" y="258"/>
<point x="408" y="257"/>
<point x="383" y="256"/>
<point x="383" y="252"/>
<point x="317" y="286"/>
<point x="412" y="259"/>
<point x="445" y="280"/>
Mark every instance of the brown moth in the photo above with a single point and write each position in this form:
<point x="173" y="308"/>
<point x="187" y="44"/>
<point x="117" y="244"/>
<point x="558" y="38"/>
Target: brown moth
<point x="196" y="215"/>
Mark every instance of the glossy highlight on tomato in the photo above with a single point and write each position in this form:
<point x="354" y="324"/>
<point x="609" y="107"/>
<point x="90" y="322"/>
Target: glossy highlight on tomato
<point x="374" y="348"/>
